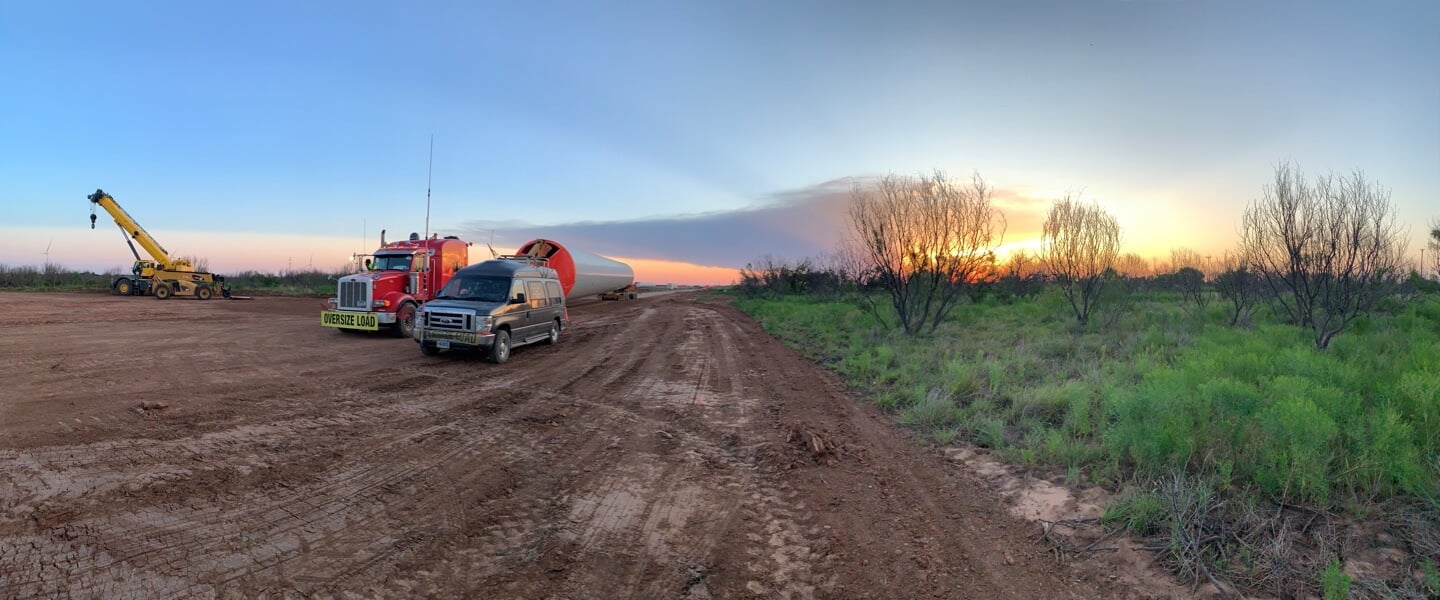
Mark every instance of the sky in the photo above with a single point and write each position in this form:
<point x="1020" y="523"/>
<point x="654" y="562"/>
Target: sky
<point x="687" y="137"/>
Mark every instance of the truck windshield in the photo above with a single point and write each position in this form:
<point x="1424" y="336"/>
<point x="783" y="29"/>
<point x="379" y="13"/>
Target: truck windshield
<point x="479" y="288"/>
<point x="391" y="262"/>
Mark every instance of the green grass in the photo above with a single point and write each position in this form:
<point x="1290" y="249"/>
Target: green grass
<point x="1258" y="410"/>
<point x="1197" y="425"/>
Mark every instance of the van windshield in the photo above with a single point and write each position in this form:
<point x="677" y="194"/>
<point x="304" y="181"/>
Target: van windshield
<point x="480" y="288"/>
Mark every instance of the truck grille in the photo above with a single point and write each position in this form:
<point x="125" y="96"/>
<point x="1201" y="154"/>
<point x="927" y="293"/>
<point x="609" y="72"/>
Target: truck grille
<point x="354" y="294"/>
<point x="454" y="321"/>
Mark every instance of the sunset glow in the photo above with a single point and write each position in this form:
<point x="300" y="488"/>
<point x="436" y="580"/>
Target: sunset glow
<point x="679" y="273"/>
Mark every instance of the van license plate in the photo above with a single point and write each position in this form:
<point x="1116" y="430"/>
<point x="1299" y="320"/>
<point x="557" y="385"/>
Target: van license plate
<point x="442" y="344"/>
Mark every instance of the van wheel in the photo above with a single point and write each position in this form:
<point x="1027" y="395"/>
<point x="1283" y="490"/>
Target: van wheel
<point x="500" y="349"/>
<point x="163" y="291"/>
<point x="554" y="337"/>
<point x="405" y="320"/>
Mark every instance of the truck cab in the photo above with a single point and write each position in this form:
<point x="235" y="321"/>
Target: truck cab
<point x="493" y="307"/>
<point x="397" y="279"/>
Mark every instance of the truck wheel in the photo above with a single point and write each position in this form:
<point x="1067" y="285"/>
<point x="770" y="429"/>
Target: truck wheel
<point x="204" y="292"/>
<point x="123" y="287"/>
<point x="405" y="320"/>
<point x="429" y="349"/>
<point x="554" y="337"/>
<point x="163" y="291"/>
<point x="500" y="350"/>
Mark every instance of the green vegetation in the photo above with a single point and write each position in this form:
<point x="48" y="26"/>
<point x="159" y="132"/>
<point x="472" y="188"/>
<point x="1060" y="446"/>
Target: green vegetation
<point x="1156" y="393"/>
<point x="53" y="277"/>
<point x="1334" y="583"/>
<point x="1201" y="423"/>
<point x="294" y="283"/>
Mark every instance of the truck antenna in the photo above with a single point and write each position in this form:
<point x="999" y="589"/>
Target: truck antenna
<point x="429" y="172"/>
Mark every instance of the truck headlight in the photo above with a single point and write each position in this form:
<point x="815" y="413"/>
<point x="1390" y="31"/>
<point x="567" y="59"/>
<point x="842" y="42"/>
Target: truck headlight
<point x="486" y="323"/>
<point x="380" y="303"/>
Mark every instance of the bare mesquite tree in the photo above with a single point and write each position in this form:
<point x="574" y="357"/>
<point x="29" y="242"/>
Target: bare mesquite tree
<point x="1433" y="244"/>
<point x="1133" y="265"/>
<point x="1190" y="272"/>
<point x="1238" y="285"/>
<point x="924" y="240"/>
<point x="1183" y="257"/>
<point x="1080" y="242"/>
<point x="1326" y="251"/>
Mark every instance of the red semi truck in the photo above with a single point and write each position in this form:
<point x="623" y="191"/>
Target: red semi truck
<point x="397" y="279"/>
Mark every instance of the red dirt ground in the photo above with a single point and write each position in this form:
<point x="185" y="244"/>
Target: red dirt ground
<point x="666" y="448"/>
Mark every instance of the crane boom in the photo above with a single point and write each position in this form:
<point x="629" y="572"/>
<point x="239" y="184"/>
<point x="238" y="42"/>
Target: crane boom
<point x="133" y="230"/>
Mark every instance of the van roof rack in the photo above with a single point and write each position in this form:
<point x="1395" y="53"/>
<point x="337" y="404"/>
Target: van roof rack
<point x="534" y="260"/>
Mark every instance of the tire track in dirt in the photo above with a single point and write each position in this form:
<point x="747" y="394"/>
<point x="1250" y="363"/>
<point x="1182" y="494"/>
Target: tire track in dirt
<point x="662" y="449"/>
<point x="331" y="513"/>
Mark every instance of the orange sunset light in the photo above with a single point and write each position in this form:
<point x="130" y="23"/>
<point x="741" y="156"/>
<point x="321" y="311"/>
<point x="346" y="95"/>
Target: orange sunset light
<point x="649" y="270"/>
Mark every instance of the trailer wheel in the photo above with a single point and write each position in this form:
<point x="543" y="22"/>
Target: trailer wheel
<point x="500" y="349"/>
<point x="405" y="320"/>
<point x="123" y="286"/>
<point x="204" y="292"/>
<point x="163" y="291"/>
<point x="554" y="337"/>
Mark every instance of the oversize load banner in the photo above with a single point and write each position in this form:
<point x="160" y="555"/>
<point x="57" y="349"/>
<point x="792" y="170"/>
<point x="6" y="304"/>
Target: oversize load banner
<point x="350" y="320"/>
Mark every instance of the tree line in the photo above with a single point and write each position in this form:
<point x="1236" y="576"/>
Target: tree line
<point x="1320" y="252"/>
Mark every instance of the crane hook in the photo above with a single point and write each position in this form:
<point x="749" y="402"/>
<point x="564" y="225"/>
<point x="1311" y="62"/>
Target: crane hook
<point x="92" y="217"/>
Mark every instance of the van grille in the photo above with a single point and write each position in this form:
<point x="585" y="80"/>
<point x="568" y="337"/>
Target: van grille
<point x="452" y="321"/>
<point x="354" y="294"/>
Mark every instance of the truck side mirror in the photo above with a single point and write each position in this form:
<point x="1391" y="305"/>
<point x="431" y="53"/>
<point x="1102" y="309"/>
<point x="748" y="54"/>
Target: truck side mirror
<point x="518" y="299"/>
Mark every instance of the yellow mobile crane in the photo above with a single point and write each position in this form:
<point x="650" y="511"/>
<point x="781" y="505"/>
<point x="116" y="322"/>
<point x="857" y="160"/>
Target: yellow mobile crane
<point x="163" y="277"/>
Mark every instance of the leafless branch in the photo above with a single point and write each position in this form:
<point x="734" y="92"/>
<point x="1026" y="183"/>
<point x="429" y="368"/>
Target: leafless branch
<point x="925" y="240"/>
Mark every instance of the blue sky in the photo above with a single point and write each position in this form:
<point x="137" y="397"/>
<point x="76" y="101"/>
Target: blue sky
<point x="311" y="121"/>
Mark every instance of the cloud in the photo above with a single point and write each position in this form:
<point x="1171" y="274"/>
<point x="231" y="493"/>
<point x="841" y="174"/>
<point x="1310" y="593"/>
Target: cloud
<point x="791" y="224"/>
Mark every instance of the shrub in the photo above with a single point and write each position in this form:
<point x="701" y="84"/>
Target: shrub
<point x="1334" y="583"/>
<point x="934" y="410"/>
<point x="1139" y="512"/>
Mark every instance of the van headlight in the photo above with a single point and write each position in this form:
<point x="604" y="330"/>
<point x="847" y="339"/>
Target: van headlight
<point x="485" y="324"/>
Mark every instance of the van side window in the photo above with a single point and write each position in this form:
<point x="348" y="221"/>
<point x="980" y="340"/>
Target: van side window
<point x="535" y="293"/>
<point x="517" y="287"/>
<point x="556" y="296"/>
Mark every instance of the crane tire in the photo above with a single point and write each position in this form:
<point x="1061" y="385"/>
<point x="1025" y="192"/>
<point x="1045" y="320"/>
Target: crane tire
<point x="123" y="286"/>
<point x="204" y="292"/>
<point x="163" y="290"/>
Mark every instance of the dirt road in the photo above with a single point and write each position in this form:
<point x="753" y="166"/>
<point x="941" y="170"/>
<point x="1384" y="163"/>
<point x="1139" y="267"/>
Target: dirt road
<point x="666" y="448"/>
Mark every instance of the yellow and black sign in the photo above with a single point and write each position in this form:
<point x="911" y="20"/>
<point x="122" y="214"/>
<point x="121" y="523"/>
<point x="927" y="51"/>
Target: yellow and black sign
<point x="463" y="337"/>
<point x="350" y="320"/>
